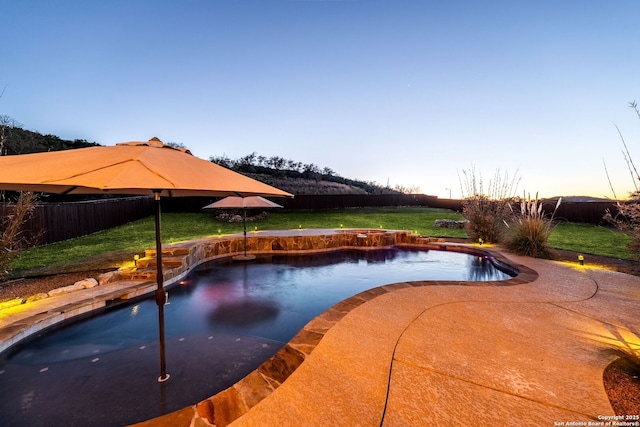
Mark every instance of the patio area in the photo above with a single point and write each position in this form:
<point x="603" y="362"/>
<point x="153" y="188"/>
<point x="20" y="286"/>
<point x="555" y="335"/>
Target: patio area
<point x="415" y="353"/>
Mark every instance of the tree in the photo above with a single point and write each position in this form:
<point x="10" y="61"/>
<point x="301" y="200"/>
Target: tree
<point x="12" y="239"/>
<point x="414" y="189"/>
<point x="627" y="217"/>
<point x="170" y="143"/>
<point x="7" y="124"/>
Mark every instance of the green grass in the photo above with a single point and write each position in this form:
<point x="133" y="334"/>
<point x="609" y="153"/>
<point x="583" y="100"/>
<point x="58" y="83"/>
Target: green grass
<point x="140" y="235"/>
<point x="590" y="239"/>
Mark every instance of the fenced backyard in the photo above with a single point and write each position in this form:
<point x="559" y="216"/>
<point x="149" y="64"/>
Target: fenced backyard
<point x="136" y="236"/>
<point x="54" y="222"/>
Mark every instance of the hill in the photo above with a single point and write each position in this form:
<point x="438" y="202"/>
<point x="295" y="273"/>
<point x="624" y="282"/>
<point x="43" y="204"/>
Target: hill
<point x="295" y="177"/>
<point x="21" y="141"/>
<point x="299" y="178"/>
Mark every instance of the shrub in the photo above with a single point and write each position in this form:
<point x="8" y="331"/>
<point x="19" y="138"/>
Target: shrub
<point x="627" y="219"/>
<point x="529" y="230"/>
<point x="11" y="238"/>
<point x="486" y="210"/>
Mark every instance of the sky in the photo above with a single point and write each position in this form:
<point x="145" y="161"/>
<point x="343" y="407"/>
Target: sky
<point x="400" y="92"/>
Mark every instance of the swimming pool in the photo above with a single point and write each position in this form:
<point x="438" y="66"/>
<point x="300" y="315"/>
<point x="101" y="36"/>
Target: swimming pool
<point x="225" y="317"/>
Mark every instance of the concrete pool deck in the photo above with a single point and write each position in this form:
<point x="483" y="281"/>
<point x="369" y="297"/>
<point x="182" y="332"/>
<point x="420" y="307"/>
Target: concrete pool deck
<point x="430" y="353"/>
<point x="531" y="354"/>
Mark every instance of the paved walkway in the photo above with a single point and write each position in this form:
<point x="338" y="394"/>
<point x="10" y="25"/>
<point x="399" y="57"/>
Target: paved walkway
<point x="530" y="354"/>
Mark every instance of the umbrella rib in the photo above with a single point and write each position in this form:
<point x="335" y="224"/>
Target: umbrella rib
<point x="158" y="175"/>
<point x="110" y="166"/>
<point x="69" y="190"/>
<point x="79" y="174"/>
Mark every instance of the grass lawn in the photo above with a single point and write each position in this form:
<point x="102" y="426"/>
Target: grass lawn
<point x="140" y="235"/>
<point x="591" y="239"/>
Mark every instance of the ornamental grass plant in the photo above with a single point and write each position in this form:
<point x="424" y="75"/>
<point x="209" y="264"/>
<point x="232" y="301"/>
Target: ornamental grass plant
<point x="486" y="209"/>
<point x="529" y="229"/>
<point x="12" y="238"/>
<point x="627" y="217"/>
<point x="627" y="220"/>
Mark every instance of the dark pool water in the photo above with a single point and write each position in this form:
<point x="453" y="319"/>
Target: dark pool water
<point x="222" y="322"/>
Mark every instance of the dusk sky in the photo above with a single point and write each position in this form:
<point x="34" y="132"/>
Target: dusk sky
<point x="405" y="92"/>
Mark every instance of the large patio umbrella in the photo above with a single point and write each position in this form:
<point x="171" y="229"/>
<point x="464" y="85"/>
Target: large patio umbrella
<point x="134" y="168"/>
<point x="244" y="203"/>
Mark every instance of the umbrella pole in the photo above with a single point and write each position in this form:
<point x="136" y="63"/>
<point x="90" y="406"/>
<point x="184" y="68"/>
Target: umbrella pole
<point x="244" y="222"/>
<point x="161" y="296"/>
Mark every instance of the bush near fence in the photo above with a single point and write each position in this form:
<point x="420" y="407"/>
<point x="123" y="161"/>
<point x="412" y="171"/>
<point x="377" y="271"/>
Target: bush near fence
<point x="54" y="222"/>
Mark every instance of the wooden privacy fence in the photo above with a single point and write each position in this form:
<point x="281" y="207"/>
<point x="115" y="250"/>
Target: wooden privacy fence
<point x="53" y="222"/>
<point x="341" y="201"/>
<point x="585" y="212"/>
<point x="323" y="202"/>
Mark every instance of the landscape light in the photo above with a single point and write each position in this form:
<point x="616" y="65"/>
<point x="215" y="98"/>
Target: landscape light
<point x="300" y="227"/>
<point x="136" y="257"/>
<point x="341" y="226"/>
<point x="581" y="259"/>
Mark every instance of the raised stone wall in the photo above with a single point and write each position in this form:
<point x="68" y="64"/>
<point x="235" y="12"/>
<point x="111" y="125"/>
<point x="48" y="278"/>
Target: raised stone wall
<point x="179" y="258"/>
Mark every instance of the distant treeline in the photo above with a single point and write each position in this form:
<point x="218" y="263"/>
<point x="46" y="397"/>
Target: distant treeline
<point x="289" y="175"/>
<point x="15" y="140"/>
<point x="286" y="175"/>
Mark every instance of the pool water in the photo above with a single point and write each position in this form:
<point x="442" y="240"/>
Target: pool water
<point x="222" y="322"/>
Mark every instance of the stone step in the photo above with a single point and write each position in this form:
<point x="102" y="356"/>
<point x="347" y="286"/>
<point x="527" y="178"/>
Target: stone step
<point x="167" y="262"/>
<point x="140" y="274"/>
<point x="177" y="251"/>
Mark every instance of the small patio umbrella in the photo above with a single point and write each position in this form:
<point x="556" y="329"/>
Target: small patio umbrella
<point x="134" y="168"/>
<point x="244" y="203"/>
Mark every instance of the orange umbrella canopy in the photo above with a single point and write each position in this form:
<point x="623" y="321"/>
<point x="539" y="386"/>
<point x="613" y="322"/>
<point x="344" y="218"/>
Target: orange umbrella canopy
<point x="130" y="168"/>
<point x="127" y="168"/>
<point x="235" y="202"/>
